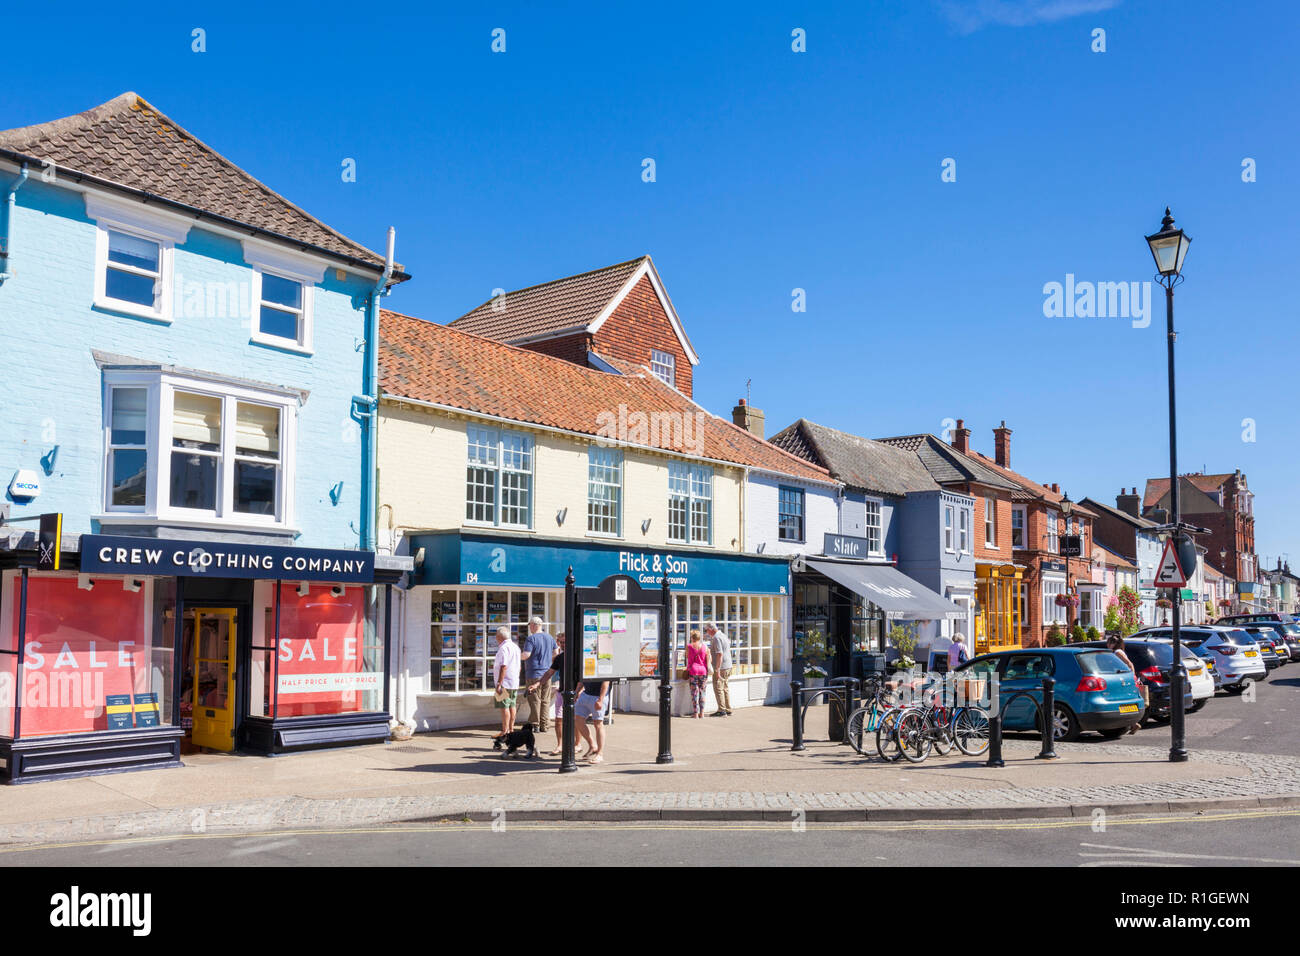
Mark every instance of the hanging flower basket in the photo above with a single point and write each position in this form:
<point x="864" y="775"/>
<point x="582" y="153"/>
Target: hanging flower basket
<point x="1067" y="600"/>
<point x="1225" y="602"/>
<point x="1163" y="603"/>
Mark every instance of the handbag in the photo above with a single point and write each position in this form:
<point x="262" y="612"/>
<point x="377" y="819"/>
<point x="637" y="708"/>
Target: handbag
<point x="501" y="694"/>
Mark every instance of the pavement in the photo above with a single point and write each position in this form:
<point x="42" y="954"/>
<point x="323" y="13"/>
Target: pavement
<point x="737" y="768"/>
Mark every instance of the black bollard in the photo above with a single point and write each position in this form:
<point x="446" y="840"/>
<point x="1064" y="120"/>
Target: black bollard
<point x="796" y="715"/>
<point x="995" y="742"/>
<point x="1047" y="715"/>
<point x="667" y="662"/>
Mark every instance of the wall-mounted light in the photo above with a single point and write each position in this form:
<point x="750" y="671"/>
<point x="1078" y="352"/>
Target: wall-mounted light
<point x="645" y="526"/>
<point x="84" y="582"/>
<point x="337" y="590"/>
<point x="303" y="588"/>
<point x="336" y="492"/>
<point x="49" y="458"/>
<point x="561" y="515"/>
<point x="131" y="584"/>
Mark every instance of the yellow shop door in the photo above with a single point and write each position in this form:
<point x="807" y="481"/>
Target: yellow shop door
<point x="214" y="678"/>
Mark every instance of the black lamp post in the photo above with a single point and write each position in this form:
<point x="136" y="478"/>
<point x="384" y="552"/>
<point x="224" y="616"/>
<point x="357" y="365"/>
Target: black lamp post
<point x="1169" y="248"/>
<point x="1067" y="507"/>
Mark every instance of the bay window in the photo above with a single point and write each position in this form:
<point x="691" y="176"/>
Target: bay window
<point x="1053" y="612"/>
<point x="180" y="448"/>
<point x="947" y="528"/>
<point x="963" y="538"/>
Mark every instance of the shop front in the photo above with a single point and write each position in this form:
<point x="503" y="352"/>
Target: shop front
<point x="1000" y="598"/>
<point x="139" y="650"/>
<point x="468" y="584"/>
<point x="843" y="610"/>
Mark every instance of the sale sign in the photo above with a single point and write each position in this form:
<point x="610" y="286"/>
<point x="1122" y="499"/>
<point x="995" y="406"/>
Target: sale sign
<point x="322" y="668"/>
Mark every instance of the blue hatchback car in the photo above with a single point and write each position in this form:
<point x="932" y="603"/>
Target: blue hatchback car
<point x="1095" y="690"/>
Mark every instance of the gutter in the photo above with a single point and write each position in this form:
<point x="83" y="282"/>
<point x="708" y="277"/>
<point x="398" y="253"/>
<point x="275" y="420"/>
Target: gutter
<point x="6" y="239"/>
<point x="365" y="407"/>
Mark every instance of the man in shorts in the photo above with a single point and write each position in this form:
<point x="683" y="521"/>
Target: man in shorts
<point x="589" y="711"/>
<point x="721" y="648"/>
<point x="505" y="666"/>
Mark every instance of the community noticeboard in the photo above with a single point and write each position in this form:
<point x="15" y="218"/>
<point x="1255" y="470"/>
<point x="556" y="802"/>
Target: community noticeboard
<point x="620" y="642"/>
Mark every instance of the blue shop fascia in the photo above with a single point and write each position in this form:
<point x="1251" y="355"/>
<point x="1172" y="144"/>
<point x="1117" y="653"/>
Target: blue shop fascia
<point x="466" y="584"/>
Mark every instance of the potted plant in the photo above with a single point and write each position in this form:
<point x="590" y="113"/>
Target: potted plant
<point x="1077" y="635"/>
<point x="1054" y="636"/>
<point x="811" y="648"/>
<point x="1094" y="634"/>
<point x="903" y="639"/>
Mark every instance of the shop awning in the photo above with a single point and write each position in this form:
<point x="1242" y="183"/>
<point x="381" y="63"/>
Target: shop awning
<point x="889" y="589"/>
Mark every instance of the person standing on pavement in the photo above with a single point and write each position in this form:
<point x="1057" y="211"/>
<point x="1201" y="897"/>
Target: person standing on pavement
<point x="721" y="649"/>
<point x="590" y="714"/>
<point x="536" y="652"/>
<point x="1115" y="644"/>
<point x="697" y="671"/>
<point x="553" y="674"/>
<point x="505" y="667"/>
<point x="957" y="652"/>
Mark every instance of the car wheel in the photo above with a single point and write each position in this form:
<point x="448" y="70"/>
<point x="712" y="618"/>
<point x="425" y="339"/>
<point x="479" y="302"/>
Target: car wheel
<point x="1197" y="705"/>
<point x="1065" y="726"/>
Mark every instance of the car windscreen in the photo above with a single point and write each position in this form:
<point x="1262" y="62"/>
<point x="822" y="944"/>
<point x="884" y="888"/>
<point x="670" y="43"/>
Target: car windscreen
<point x="1101" y="662"/>
<point x="1292" y="629"/>
<point x="1147" y="654"/>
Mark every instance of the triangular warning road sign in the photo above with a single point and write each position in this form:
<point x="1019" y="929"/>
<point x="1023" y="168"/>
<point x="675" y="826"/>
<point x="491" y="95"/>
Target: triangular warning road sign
<point x="1169" y="573"/>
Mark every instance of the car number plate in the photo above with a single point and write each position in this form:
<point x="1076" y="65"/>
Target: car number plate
<point x="1251" y="654"/>
<point x="1128" y="709"/>
<point x="1195" y="673"/>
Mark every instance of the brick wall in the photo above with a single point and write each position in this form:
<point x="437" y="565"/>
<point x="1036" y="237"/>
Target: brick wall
<point x="638" y="325"/>
<point x="571" y="348"/>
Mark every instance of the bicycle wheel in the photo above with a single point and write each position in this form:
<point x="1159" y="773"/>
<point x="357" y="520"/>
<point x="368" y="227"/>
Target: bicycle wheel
<point x="913" y="734"/>
<point x="859" y="729"/>
<point x="970" y="727"/>
<point x="886" y="739"/>
<point x="940" y="730"/>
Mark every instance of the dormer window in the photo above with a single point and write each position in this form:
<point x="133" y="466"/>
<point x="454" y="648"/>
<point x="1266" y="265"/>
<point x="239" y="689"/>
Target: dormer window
<point x="663" y="366"/>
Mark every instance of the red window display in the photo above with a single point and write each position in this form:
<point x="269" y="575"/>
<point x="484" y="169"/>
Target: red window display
<point x="87" y="659"/>
<point x="326" y="665"/>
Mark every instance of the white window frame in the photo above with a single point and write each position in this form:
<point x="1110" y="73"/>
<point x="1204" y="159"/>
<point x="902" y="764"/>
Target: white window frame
<point x="991" y="523"/>
<point x="1053" y="613"/>
<point x="1022" y="512"/>
<point x="617" y="455"/>
<point x="963" y="530"/>
<point x="879" y="549"/>
<point x="1053" y="533"/>
<point x="166" y="231"/>
<point x="663" y="366"/>
<point x="948" y="531"/>
<point x="801" y="495"/>
<point x="498" y="468"/>
<point x="161" y="389"/>
<point x="691" y="478"/>
<point x="283" y="264"/>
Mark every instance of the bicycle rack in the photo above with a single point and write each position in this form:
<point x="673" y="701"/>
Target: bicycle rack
<point x="801" y="700"/>
<point x="1045" y="709"/>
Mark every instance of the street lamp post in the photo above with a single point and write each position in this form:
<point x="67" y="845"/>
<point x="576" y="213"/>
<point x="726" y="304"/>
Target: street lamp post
<point x="1169" y="248"/>
<point x="1067" y="507"/>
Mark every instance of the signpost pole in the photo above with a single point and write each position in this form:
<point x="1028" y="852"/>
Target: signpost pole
<point x="666" y="662"/>
<point x="572" y="672"/>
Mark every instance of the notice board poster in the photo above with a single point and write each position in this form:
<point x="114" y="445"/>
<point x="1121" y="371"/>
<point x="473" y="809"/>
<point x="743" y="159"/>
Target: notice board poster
<point x="619" y="643"/>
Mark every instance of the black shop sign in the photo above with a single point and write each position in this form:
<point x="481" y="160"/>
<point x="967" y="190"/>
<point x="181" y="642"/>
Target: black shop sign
<point x="117" y="554"/>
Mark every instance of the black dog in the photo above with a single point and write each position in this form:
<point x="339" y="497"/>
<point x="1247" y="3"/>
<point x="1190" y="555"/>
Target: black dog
<point x="515" y="739"/>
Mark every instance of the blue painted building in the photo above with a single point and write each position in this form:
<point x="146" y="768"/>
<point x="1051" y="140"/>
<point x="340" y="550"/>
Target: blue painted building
<point x="190" y="366"/>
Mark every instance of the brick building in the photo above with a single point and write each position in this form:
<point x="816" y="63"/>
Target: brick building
<point x="1223" y="504"/>
<point x="620" y="313"/>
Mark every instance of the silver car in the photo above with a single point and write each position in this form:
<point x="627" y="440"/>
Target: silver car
<point x="1236" y="655"/>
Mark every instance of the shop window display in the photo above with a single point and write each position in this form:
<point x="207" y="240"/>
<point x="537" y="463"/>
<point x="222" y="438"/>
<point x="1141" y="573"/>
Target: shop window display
<point x="462" y="632"/>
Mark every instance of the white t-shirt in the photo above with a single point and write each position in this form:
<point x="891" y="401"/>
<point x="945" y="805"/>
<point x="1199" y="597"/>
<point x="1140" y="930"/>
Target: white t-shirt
<point x="720" y="645"/>
<point x="507" y="654"/>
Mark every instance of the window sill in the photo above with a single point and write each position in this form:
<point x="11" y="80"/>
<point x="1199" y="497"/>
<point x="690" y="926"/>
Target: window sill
<point x="607" y="536"/>
<point x="137" y="517"/>
<point x="120" y="307"/>
<point x="284" y="345"/>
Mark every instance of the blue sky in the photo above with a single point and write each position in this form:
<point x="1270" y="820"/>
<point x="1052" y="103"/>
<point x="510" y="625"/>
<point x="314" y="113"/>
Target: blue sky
<point x="820" y="170"/>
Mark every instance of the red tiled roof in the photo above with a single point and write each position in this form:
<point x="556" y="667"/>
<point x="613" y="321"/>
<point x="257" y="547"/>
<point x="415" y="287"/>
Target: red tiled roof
<point x="128" y="142"/>
<point x="1033" y="490"/>
<point x="447" y="366"/>
<point x="1157" y="488"/>
<point x="560" y="305"/>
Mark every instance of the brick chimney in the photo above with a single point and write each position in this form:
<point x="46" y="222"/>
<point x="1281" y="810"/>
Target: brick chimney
<point x="1002" y="445"/>
<point x="961" y="438"/>
<point x="748" y="417"/>
<point x="1129" y="502"/>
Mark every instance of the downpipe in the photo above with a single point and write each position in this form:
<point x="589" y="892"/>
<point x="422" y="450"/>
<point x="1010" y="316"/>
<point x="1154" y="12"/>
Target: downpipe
<point x="365" y="407"/>
<point x="10" y="203"/>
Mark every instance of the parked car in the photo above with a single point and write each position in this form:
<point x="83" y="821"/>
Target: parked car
<point x="1199" y="677"/>
<point x="1094" y="690"/>
<point x="1289" y="633"/>
<point x="1271" y="647"/>
<point x="1153" y="660"/>
<point x="1237" y="656"/>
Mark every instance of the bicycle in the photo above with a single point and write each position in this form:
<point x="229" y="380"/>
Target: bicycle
<point x="877" y="717"/>
<point x="934" y="725"/>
